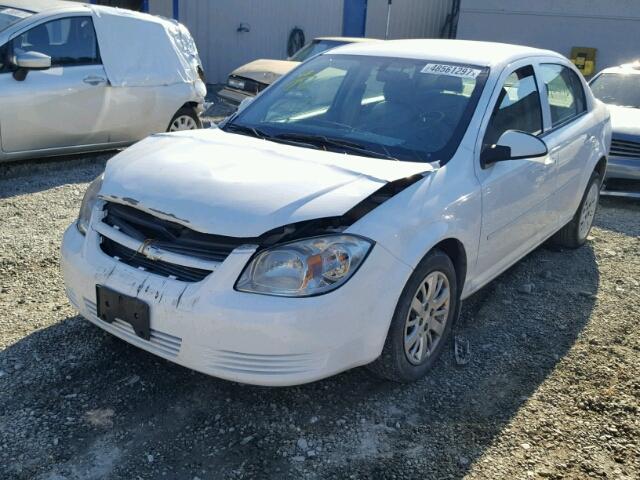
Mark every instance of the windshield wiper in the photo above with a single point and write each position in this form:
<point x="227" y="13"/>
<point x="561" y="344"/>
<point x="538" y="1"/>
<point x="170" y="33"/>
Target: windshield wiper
<point x="324" y="142"/>
<point x="243" y="129"/>
<point x="308" y="140"/>
<point x="262" y="135"/>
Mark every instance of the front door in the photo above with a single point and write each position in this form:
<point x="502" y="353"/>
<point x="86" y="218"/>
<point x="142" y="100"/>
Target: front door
<point x="515" y="193"/>
<point x="59" y="107"/>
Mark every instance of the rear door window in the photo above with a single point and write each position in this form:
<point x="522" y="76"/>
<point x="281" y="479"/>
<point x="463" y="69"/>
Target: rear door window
<point x="564" y="92"/>
<point x="68" y="41"/>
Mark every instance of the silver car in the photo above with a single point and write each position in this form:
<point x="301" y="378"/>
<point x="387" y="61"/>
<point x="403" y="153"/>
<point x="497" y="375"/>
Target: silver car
<point x="77" y="77"/>
<point x="619" y="88"/>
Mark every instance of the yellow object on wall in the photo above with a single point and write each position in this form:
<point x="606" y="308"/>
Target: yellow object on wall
<point x="585" y="59"/>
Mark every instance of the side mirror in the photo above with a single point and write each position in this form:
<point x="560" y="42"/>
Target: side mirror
<point x="26" y="61"/>
<point x="513" y="145"/>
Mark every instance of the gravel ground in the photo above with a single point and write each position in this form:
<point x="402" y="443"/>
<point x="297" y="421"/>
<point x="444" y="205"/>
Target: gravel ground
<point x="552" y="389"/>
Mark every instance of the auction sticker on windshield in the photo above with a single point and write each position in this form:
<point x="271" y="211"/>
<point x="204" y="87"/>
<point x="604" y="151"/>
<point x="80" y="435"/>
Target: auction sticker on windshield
<point x="451" y="70"/>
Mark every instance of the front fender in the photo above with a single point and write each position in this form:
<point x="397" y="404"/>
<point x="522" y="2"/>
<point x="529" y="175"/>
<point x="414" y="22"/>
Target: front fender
<point x="410" y="224"/>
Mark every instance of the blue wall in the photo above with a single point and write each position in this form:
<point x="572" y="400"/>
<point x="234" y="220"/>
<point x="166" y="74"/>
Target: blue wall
<point x="354" y="18"/>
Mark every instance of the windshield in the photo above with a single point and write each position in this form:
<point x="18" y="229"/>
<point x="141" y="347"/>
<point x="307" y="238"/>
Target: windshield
<point x="9" y="16"/>
<point x="313" y="48"/>
<point x="618" y="89"/>
<point x="405" y="109"/>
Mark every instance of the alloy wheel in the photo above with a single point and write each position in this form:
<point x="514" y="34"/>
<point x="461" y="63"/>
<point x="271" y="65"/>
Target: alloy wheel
<point x="588" y="210"/>
<point x="427" y="317"/>
<point x="183" y="122"/>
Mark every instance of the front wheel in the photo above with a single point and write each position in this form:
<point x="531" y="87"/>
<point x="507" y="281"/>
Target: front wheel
<point x="185" y="119"/>
<point x="574" y="233"/>
<point x="422" y="321"/>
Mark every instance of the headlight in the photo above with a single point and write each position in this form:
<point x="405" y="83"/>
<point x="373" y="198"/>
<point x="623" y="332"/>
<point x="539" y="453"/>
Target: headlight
<point x="88" y="202"/>
<point x="235" y="83"/>
<point x="305" y="267"/>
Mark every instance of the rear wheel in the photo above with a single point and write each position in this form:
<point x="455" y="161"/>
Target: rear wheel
<point x="574" y="234"/>
<point x="422" y="321"/>
<point x="185" y="119"/>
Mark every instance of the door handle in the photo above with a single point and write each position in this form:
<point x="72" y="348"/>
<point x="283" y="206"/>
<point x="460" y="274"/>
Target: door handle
<point x="94" y="80"/>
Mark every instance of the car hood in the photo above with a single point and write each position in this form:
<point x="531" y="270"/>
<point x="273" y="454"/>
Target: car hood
<point x="265" y="71"/>
<point x="625" y="120"/>
<point x="234" y="185"/>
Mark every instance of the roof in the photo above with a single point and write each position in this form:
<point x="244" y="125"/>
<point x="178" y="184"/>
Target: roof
<point x="38" y="6"/>
<point x="463" y="51"/>
<point x="626" y="69"/>
<point x="346" y="39"/>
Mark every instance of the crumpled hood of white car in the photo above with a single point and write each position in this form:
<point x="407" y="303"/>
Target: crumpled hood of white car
<point x="235" y="185"/>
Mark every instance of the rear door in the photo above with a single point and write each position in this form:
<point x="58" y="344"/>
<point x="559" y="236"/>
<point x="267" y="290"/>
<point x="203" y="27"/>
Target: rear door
<point x="62" y="106"/>
<point x="567" y="134"/>
<point x="515" y="193"/>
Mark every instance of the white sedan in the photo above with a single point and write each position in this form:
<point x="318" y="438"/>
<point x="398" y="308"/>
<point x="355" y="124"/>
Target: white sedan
<point x="341" y="218"/>
<point x="76" y="78"/>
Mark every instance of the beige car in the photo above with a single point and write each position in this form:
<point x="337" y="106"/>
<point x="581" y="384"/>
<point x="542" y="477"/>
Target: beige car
<point x="250" y="79"/>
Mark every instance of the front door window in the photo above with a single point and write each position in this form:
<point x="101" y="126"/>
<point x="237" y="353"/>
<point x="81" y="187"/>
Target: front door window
<point x="518" y="107"/>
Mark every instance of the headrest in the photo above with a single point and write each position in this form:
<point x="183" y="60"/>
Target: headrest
<point x="398" y="88"/>
<point x="39" y="37"/>
<point x="449" y="84"/>
<point x="386" y="76"/>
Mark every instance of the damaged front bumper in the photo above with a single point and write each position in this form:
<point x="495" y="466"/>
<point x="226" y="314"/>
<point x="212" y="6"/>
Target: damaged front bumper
<point x="257" y="339"/>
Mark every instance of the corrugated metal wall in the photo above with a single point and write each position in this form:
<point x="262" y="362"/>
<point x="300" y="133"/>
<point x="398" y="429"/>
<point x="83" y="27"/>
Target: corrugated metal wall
<point x="613" y="27"/>
<point x="409" y="18"/>
<point x="214" y="25"/>
<point x="161" y="7"/>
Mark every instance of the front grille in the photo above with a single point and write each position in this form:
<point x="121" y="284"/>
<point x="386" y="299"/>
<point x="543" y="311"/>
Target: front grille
<point x="623" y="148"/>
<point x="165" y="235"/>
<point x="159" y="267"/>
<point x="250" y="86"/>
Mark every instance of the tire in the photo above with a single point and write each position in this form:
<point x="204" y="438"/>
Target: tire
<point x="187" y="118"/>
<point x="574" y="234"/>
<point x="397" y="362"/>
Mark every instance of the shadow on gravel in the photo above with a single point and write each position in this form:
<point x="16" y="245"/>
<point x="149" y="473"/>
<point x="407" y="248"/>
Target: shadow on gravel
<point x="81" y="397"/>
<point x="21" y="178"/>
<point x="619" y="223"/>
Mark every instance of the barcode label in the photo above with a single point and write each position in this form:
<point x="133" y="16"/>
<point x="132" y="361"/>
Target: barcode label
<point x="451" y="70"/>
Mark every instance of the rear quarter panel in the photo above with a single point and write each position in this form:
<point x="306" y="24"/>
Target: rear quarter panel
<point x="599" y="131"/>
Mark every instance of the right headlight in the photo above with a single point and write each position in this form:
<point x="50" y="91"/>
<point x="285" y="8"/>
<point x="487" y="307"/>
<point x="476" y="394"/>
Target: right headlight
<point x="305" y="267"/>
<point x="88" y="202"/>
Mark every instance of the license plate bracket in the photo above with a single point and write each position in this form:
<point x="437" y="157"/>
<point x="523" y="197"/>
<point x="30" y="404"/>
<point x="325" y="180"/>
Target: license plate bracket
<point x="113" y="305"/>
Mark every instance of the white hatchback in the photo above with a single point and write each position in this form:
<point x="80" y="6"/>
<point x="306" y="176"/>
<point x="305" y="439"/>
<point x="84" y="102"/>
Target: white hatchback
<point x="341" y="218"/>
